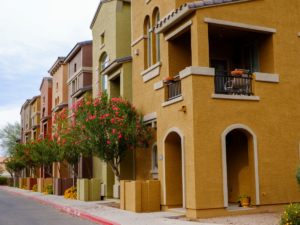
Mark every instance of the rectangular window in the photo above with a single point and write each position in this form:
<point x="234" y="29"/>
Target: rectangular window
<point x="102" y="37"/>
<point x="75" y="68"/>
<point x="104" y="83"/>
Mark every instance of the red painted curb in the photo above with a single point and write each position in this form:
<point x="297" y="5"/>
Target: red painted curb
<point x="69" y="210"/>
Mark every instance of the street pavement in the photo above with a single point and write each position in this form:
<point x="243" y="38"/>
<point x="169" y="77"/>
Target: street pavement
<point x="17" y="210"/>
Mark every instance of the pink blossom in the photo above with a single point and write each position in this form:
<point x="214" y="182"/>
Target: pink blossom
<point x="90" y="139"/>
<point x="108" y="142"/>
<point x="120" y="136"/>
<point x="87" y="120"/>
<point x="114" y="131"/>
<point x="131" y="147"/>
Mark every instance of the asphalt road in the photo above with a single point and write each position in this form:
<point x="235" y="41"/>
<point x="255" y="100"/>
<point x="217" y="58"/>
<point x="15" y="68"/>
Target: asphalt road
<point x="16" y="210"/>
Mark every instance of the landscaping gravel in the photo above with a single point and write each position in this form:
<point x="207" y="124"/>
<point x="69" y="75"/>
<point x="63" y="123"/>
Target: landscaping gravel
<point x="252" y="219"/>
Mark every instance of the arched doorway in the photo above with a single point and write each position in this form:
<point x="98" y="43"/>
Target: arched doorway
<point x="240" y="164"/>
<point x="174" y="168"/>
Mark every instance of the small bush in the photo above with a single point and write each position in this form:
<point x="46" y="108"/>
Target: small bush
<point x="25" y="186"/>
<point x="71" y="193"/>
<point x="35" y="188"/>
<point x="291" y="215"/>
<point x="11" y="184"/>
<point x="17" y="186"/>
<point x="48" y="189"/>
<point x="3" y="180"/>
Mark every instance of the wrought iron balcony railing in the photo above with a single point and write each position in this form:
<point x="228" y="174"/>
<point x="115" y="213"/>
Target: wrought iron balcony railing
<point x="225" y="83"/>
<point x="174" y="89"/>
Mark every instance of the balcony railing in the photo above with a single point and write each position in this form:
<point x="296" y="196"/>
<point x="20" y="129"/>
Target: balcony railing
<point x="174" y="89"/>
<point x="225" y="83"/>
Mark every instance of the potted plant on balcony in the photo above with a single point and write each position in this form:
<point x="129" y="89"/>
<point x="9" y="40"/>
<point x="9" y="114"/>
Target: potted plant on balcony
<point x="245" y="200"/>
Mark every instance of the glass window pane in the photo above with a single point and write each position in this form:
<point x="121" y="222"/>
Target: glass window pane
<point x="149" y="45"/>
<point x="155" y="157"/>
<point x="158" y="39"/>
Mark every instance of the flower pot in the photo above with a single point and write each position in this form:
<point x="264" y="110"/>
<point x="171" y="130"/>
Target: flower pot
<point x="245" y="202"/>
<point x="168" y="80"/>
<point x="237" y="73"/>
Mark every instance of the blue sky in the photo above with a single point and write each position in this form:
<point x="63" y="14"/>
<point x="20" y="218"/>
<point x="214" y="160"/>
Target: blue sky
<point x="33" y="33"/>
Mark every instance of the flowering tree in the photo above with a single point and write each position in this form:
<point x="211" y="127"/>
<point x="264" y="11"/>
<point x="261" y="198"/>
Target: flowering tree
<point x="12" y="165"/>
<point x="46" y="152"/>
<point x="108" y="129"/>
<point x="24" y="155"/>
<point x="67" y="135"/>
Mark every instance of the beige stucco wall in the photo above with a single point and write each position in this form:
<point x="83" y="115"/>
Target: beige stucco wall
<point x="273" y="119"/>
<point x="60" y="77"/>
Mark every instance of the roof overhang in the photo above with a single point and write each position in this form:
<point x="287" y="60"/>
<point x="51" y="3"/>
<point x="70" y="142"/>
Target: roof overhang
<point x="45" y="118"/>
<point x="184" y="10"/>
<point x="33" y="99"/>
<point x="115" y="64"/>
<point x="34" y="127"/>
<point x="75" y="50"/>
<point x="56" y="65"/>
<point x="60" y="106"/>
<point x="98" y="10"/>
<point x="45" y="78"/>
<point x="81" y="91"/>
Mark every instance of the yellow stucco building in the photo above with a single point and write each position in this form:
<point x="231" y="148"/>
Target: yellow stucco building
<point x="112" y="72"/>
<point x="218" y="134"/>
<point x="35" y="105"/>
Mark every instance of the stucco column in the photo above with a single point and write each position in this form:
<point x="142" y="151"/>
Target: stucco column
<point x="200" y="49"/>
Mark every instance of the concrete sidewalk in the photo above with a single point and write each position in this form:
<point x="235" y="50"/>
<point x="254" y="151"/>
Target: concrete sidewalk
<point x="105" y="214"/>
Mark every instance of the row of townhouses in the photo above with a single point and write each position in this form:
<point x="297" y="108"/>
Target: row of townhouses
<point x="216" y="80"/>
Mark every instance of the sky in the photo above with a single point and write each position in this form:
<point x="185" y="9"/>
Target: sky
<point x="33" y="33"/>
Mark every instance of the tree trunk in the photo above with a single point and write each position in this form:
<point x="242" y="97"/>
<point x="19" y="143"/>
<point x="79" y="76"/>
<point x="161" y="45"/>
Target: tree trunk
<point x="33" y="171"/>
<point x="71" y="171"/>
<point x="115" y="169"/>
<point x="47" y="170"/>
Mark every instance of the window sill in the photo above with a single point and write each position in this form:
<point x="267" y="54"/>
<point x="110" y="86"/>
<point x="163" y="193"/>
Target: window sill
<point x="235" y="97"/>
<point x="151" y="72"/>
<point x="154" y="174"/>
<point x="172" y="101"/>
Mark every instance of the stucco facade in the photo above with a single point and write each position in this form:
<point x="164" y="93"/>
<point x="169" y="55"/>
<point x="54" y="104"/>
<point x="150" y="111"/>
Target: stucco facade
<point x="46" y="107"/>
<point x="112" y="72"/>
<point x="214" y="146"/>
<point x="35" y="117"/>
<point x="80" y="82"/>
<point x="59" y="73"/>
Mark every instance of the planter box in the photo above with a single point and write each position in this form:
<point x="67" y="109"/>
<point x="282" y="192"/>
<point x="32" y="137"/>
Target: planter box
<point x="31" y="182"/>
<point x="16" y="182"/>
<point x="61" y="185"/>
<point x="42" y="183"/>
<point x="22" y="182"/>
<point x="89" y="190"/>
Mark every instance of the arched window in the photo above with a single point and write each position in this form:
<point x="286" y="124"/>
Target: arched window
<point x="157" y="39"/>
<point x="104" y="64"/>
<point x="149" y="43"/>
<point x="154" y="157"/>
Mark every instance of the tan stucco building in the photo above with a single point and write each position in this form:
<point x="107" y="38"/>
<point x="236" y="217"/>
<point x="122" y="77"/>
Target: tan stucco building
<point x="59" y="73"/>
<point x="112" y="72"/>
<point x="218" y="135"/>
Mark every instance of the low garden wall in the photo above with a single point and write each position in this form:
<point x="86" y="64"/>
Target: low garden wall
<point x="22" y="182"/>
<point x="138" y="196"/>
<point x="10" y="181"/>
<point x="41" y="183"/>
<point x="89" y="190"/>
<point x="31" y="182"/>
<point x="61" y="185"/>
<point x="16" y="182"/>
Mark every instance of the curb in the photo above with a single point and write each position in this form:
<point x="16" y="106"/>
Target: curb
<point x="69" y="210"/>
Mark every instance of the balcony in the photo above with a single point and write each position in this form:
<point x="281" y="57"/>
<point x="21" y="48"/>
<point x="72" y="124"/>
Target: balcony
<point x="233" y="83"/>
<point x="174" y="89"/>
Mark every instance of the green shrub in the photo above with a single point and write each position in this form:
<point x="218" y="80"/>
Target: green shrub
<point x="291" y="215"/>
<point x="11" y="184"/>
<point x="3" y="180"/>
